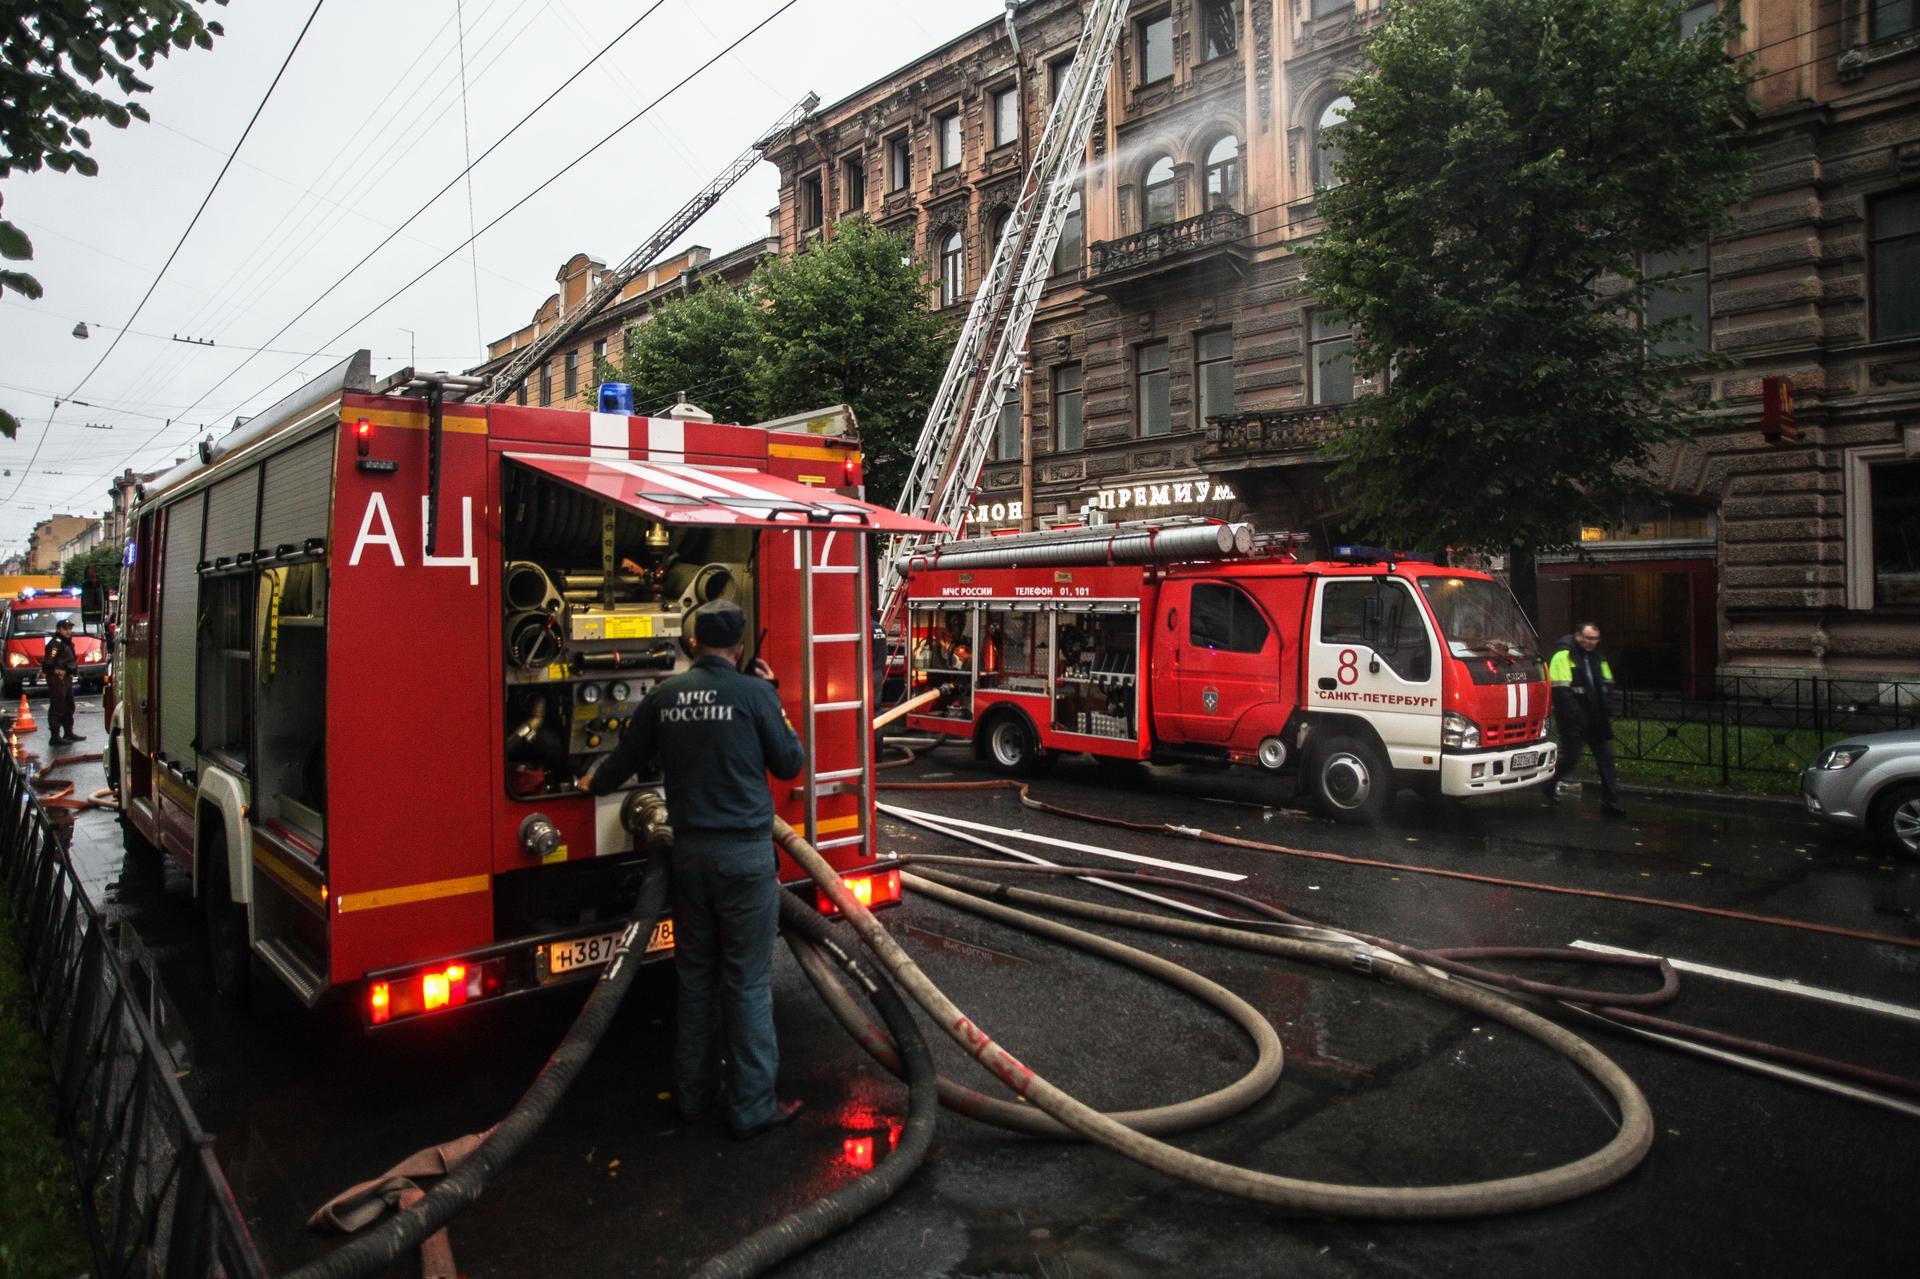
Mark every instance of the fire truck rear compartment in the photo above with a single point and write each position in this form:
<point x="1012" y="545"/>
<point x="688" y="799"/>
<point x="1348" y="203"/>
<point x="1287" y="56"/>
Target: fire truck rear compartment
<point x="593" y="597"/>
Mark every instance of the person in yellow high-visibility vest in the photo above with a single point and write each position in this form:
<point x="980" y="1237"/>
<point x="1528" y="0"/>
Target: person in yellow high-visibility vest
<point x="1582" y="683"/>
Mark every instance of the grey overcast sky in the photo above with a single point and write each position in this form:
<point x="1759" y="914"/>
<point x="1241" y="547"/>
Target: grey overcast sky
<point x="366" y="124"/>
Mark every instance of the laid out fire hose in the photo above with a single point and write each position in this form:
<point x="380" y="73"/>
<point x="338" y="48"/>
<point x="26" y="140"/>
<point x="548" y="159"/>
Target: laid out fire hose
<point x="1530" y="1190"/>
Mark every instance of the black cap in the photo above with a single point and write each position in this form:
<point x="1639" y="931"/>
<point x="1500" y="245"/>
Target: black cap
<point x="719" y="624"/>
<point x="65" y="623"/>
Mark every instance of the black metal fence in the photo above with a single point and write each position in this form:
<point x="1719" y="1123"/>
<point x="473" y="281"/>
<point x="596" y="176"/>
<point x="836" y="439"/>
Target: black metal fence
<point x="1755" y="724"/>
<point x="154" y="1200"/>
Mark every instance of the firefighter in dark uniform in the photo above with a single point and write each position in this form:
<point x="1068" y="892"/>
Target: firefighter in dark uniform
<point x="59" y="665"/>
<point x="716" y="733"/>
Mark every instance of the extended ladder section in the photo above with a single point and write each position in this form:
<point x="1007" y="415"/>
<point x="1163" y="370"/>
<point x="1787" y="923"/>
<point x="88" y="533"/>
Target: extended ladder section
<point x="515" y="371"/>
<point x="986" y="360"/>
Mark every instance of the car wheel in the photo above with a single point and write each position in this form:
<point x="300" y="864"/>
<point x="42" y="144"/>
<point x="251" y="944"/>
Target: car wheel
<point x="1349" y="780"/>
<point x="1896" y="819"/>
<point x="1010" y="746"/>
<point x="229" y="956"/>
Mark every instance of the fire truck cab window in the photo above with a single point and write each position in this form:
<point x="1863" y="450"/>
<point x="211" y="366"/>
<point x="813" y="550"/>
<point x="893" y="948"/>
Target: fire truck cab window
<point x="1382" y="616"/>
<point x="1223" y="617"/>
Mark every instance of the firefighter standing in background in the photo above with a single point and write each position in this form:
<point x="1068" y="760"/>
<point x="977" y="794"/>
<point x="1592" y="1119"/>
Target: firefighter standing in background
<point x="1582" y="682"/>
<point x="716" y="734"/>
<point x="59" y="664"/>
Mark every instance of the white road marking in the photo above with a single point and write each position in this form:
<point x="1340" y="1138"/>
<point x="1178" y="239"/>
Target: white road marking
<point x="1050" y="842"/>
<point x="1787" y="985"/>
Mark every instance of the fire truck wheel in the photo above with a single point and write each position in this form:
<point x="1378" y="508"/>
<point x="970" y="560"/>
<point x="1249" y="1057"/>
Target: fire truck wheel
<point x="228" y="954"/>
<point x="1010" y="746"/>
<point x="1349" y="780"/>
<point x="10" y="689"/>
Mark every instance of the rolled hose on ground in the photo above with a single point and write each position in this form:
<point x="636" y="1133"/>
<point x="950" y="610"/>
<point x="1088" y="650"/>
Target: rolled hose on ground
<point x="811" y="940"/>
<point x="1529" y="1190"/>
<point x="1178" y="1117"/>
<point x="370" y="1253"/>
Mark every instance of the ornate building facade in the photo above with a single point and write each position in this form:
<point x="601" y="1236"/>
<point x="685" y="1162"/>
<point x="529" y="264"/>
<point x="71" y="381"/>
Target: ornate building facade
<point x="1177" y="365"/>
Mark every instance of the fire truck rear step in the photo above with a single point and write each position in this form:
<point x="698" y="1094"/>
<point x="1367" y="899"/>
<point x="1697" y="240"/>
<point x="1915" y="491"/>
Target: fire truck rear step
<point x="292" y="969"/>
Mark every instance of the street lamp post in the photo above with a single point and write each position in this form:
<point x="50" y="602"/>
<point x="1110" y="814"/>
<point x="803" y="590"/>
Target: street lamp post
<point x="411" y="362"/>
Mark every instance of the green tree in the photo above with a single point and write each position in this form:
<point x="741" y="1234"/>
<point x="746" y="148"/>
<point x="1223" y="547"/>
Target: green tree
<point x="847" y="322"/>
<point x="1506" y="167"/>
<point x="56" y="56"/>
<point x="104" y="559"/>
<point x="706" y="344"/>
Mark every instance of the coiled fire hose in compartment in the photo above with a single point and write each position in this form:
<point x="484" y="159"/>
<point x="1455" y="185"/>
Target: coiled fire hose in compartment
<point x="812" y="941"/>
<point x="1530" y="1190"/>
<point x="370" y="1253"/>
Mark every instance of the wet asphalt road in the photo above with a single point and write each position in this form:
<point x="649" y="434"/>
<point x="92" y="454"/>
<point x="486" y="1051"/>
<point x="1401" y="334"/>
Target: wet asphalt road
<point x="1747" y="1174"/>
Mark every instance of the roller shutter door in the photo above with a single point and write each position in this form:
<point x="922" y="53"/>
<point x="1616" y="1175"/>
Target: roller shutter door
<point x="179" y="601"/>
<point x="231" y="507"/>
<point x="298" y="495"/>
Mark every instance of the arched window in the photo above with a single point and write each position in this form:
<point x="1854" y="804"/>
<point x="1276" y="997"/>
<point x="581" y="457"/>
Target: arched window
<point x="1000" y="221"/>
<point x="953" y="269"/>
<point x="1326" y="141"/>
<point x="1156" y="193"/>
<point x="1223" y="174"/>
<point x="1066" y="254"/>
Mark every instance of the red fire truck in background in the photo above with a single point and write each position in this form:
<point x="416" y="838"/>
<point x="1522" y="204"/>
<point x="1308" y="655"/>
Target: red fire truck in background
<point x="371" y="637"/>
<point x="1176" y="642"/>
<point x="25" y="627"/>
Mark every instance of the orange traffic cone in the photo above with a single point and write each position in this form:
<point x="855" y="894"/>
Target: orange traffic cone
<point x="23" y="722"/>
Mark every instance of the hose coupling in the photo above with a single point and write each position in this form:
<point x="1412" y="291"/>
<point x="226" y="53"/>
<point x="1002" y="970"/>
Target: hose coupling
<point x="643" y="814"/>
<point x="539" y="837"/>
<point x="1362" y="962"/>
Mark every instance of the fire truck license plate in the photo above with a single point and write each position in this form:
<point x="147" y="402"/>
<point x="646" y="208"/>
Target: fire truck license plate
<point x="587" y="952"/>
<point x="1525" y="759"/>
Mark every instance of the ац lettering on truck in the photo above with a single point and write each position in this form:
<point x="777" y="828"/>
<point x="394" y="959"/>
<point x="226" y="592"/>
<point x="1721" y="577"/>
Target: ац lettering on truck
<point x="1359" y="677"/>
<point x="371" y="639"/>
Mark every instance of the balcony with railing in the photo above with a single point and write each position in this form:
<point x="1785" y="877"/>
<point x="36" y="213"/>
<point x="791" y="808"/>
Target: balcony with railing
<point x="1274" y="437"/>
<point x="1216" y="241"/>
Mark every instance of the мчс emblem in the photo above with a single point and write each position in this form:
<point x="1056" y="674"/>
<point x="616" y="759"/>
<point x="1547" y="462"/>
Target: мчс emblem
<point x="1210" y="698"/>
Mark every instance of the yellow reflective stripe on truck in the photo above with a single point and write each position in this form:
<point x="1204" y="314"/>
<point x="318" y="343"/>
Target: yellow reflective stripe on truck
<point x="413" y="893"/>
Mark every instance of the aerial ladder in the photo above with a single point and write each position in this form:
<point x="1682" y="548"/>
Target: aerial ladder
<point x="515" y="371"/>
<point x="987" y="357"/>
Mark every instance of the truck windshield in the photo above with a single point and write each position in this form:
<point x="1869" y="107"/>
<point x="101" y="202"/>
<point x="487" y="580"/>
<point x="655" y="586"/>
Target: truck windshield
<point x="40" y="621"/>
<point x="1478" y="616"/>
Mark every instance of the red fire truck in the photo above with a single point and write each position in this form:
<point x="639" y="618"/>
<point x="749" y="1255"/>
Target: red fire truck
<point x="26" y="625"/>
<point x="373" y="635"/>
<point x="1177" y="642"/>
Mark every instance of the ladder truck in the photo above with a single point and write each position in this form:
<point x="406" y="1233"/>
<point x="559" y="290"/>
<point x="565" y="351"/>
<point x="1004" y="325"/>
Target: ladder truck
<point x="987" y="357"/>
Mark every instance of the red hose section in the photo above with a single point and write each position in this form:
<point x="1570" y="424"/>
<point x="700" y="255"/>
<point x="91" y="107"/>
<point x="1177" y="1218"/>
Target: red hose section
<point x="1230" y="841"/>
<point x="59" y="799"/>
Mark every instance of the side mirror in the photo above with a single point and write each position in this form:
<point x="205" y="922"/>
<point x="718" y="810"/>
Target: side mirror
<point x="93" y="606"/>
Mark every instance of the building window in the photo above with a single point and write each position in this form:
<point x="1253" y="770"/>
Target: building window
<point x="1664" y="519"/>
<point x="812" y="209"/>
<point x="953" y="269"/>
<point x="1219" y="28"/>
<point x="1327" y="8"/>
<point x="1151" y="391"/>
<point x="949" y="140"/>
<point x="1686" y="299"/>
<point x="1069" y="420"/>
<point x="1066" y="254"/>
<point x="520" y="393"/>
<point x="1006" y="429"/>
<point x="1156" y="194"/>
<point x="899" y="163"/>
<point x="546" y="385"/>
<point x="599" y="356"/>
<point x="1326" y="141"/>
<point x="1000" y="223"/>
<point x="1330" y="352"/>
<point x="1006" y="116"/>
<point x="1213" y="372"/>
<point x="571" y="379"/>
<point x="1057" y="76"/>
<point x="853" y="185"/>
<point x="1223" y="174"/>
<point x="1694" y="14"/>
<point x="1893" y="17"/>
<point x="1153" y="42"/>
<point x="1895" y="496"/>
<point x="1894" y="259"/>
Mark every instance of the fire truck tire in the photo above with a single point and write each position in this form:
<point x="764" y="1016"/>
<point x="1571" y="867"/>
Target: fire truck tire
<point x="1010" y="746"/>
<point x="1349" y="780"/>
<point x="229" y="955"/>
<point x="10" y="689"/>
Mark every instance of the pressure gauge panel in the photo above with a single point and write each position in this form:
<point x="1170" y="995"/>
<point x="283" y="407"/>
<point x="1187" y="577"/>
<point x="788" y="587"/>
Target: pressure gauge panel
<point x="590" y="694"/>
<point x="620" y="692"/>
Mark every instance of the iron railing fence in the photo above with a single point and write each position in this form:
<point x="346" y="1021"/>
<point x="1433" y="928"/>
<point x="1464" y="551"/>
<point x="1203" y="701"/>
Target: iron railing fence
<point x="1755" y="724"/>
<point x="153" y="1199"/>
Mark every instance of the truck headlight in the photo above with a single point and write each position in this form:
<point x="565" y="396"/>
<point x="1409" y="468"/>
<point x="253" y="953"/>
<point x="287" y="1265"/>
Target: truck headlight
<point x="1458" y="733"/>
<point x="18" y="659"/>
<point x="1837" y="757"/>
